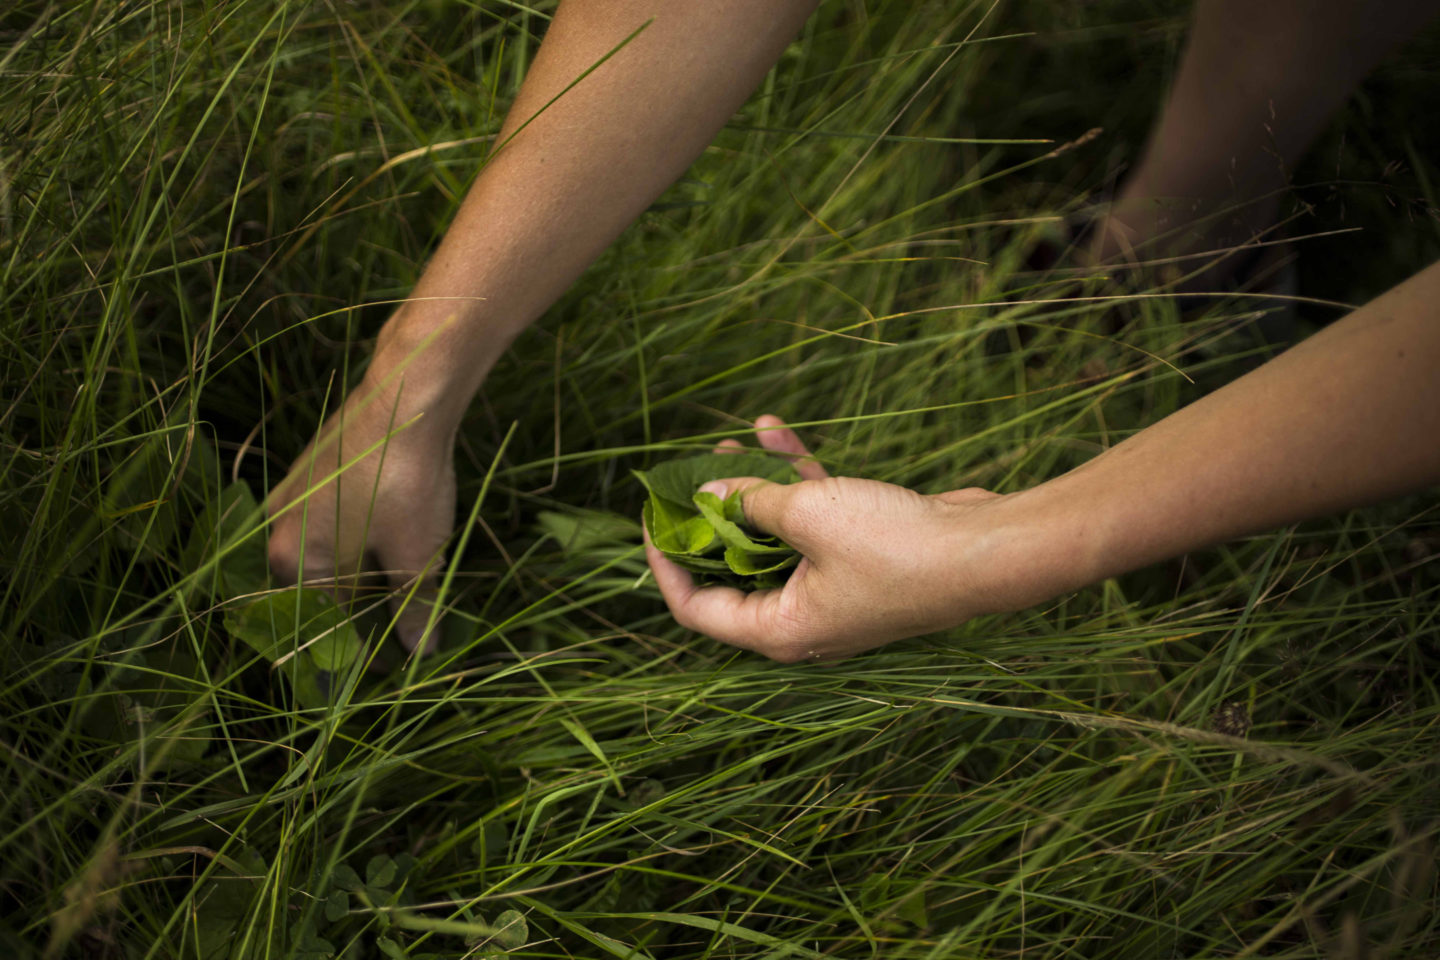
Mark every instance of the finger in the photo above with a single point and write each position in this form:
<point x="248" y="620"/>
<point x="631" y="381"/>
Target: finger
<point x="415" y="592"/>
<point x="282" y="552"/>
<point x="729" y="446"/>
<point x="293" y="561"/>
<point x="285" y="538"/>
<point x="744" y="620"/>
<point x="775" y="436"/>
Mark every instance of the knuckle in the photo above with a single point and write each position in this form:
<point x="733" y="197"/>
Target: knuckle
<point x="790" y="653"/>
<point x="799" y="515"/>
<point x="682" y="616"/>
<point x="791" y="640"/>
<point x="281" y="555"/>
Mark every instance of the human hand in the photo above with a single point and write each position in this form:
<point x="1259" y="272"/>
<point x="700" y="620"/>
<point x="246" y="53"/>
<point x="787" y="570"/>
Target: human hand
<point x="880" y="562"/>
<point x="391" y="511"/>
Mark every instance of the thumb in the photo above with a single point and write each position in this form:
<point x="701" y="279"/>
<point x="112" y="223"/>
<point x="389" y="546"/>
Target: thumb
<point x="768" y="506"/>
<point x="968" y="495"/>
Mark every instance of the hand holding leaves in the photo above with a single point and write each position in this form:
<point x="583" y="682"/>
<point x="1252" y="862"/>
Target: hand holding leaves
<point x="878" y="562"/>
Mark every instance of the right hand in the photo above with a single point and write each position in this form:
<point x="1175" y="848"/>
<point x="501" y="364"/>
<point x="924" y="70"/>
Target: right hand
<point x="880" y="562"/>
<point x="390" y="511"/>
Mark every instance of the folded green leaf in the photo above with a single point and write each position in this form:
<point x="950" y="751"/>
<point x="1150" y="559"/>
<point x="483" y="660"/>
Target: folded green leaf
<point x="227" y="544"/>
<point x="748" y="564"/>
<point x="715" y="512"/>
<point x="675" y="532"/>
<point x="708" y="536"/>
<point x="701" y="564"/>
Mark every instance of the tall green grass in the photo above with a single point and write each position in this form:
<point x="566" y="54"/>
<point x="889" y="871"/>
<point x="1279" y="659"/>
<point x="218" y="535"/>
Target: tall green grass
<point x="205" y="213"/>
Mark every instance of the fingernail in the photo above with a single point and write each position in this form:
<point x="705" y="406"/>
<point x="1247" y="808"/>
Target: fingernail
<point x="716" y="487"/>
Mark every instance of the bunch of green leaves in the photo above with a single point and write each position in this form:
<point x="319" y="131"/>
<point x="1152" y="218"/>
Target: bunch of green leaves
<point x="708" y="536"/>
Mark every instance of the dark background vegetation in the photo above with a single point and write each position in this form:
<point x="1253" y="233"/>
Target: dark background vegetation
<point x="205" y="210"/>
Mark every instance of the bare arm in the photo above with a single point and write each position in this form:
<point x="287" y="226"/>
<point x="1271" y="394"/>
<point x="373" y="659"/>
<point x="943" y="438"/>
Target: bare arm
<point x="574" y="168"/>
<point x="1350" y="416"/>
<point x="562" y="189"/>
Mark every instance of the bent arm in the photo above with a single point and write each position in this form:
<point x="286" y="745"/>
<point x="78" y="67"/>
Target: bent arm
<point x="574" y="168"/>
<point x="1348" y="417"/>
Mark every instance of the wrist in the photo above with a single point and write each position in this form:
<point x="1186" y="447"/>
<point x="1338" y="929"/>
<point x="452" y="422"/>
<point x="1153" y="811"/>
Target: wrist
<point x="429" y="361"/>
<point x="1026" y="548"/>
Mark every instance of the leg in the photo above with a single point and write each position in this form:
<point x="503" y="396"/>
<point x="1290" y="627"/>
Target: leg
<point x="1258" y="81"/>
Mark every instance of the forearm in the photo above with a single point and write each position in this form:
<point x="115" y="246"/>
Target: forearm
<point x="1350" y="416"/>
<point x="573" y="173"/>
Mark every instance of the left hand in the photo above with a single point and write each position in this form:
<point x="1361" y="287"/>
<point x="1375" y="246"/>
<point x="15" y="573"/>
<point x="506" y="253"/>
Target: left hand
<point x="397" y="508"/>
<point x="880" y="562"/>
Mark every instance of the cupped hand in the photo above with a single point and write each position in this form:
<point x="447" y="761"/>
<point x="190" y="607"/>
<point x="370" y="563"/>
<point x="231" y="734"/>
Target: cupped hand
<point x="879" y="563"/>
<point x="390" y="511"/>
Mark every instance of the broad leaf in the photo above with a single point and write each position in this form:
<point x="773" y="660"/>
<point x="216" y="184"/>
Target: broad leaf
<point x="380" y="871"/>
<point x="337" y="905"/>
<point x="702" y="564"/>
<point x="708" y="536"/>
<point x="308" y="629"/>
<point x="279" y="622"/>
<point x="512" y="931"/>
<point x="223" y="535"/>
<point x="579" y="530"/>
<point x="337" y="647"/>
<point x="676" y="532"/>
